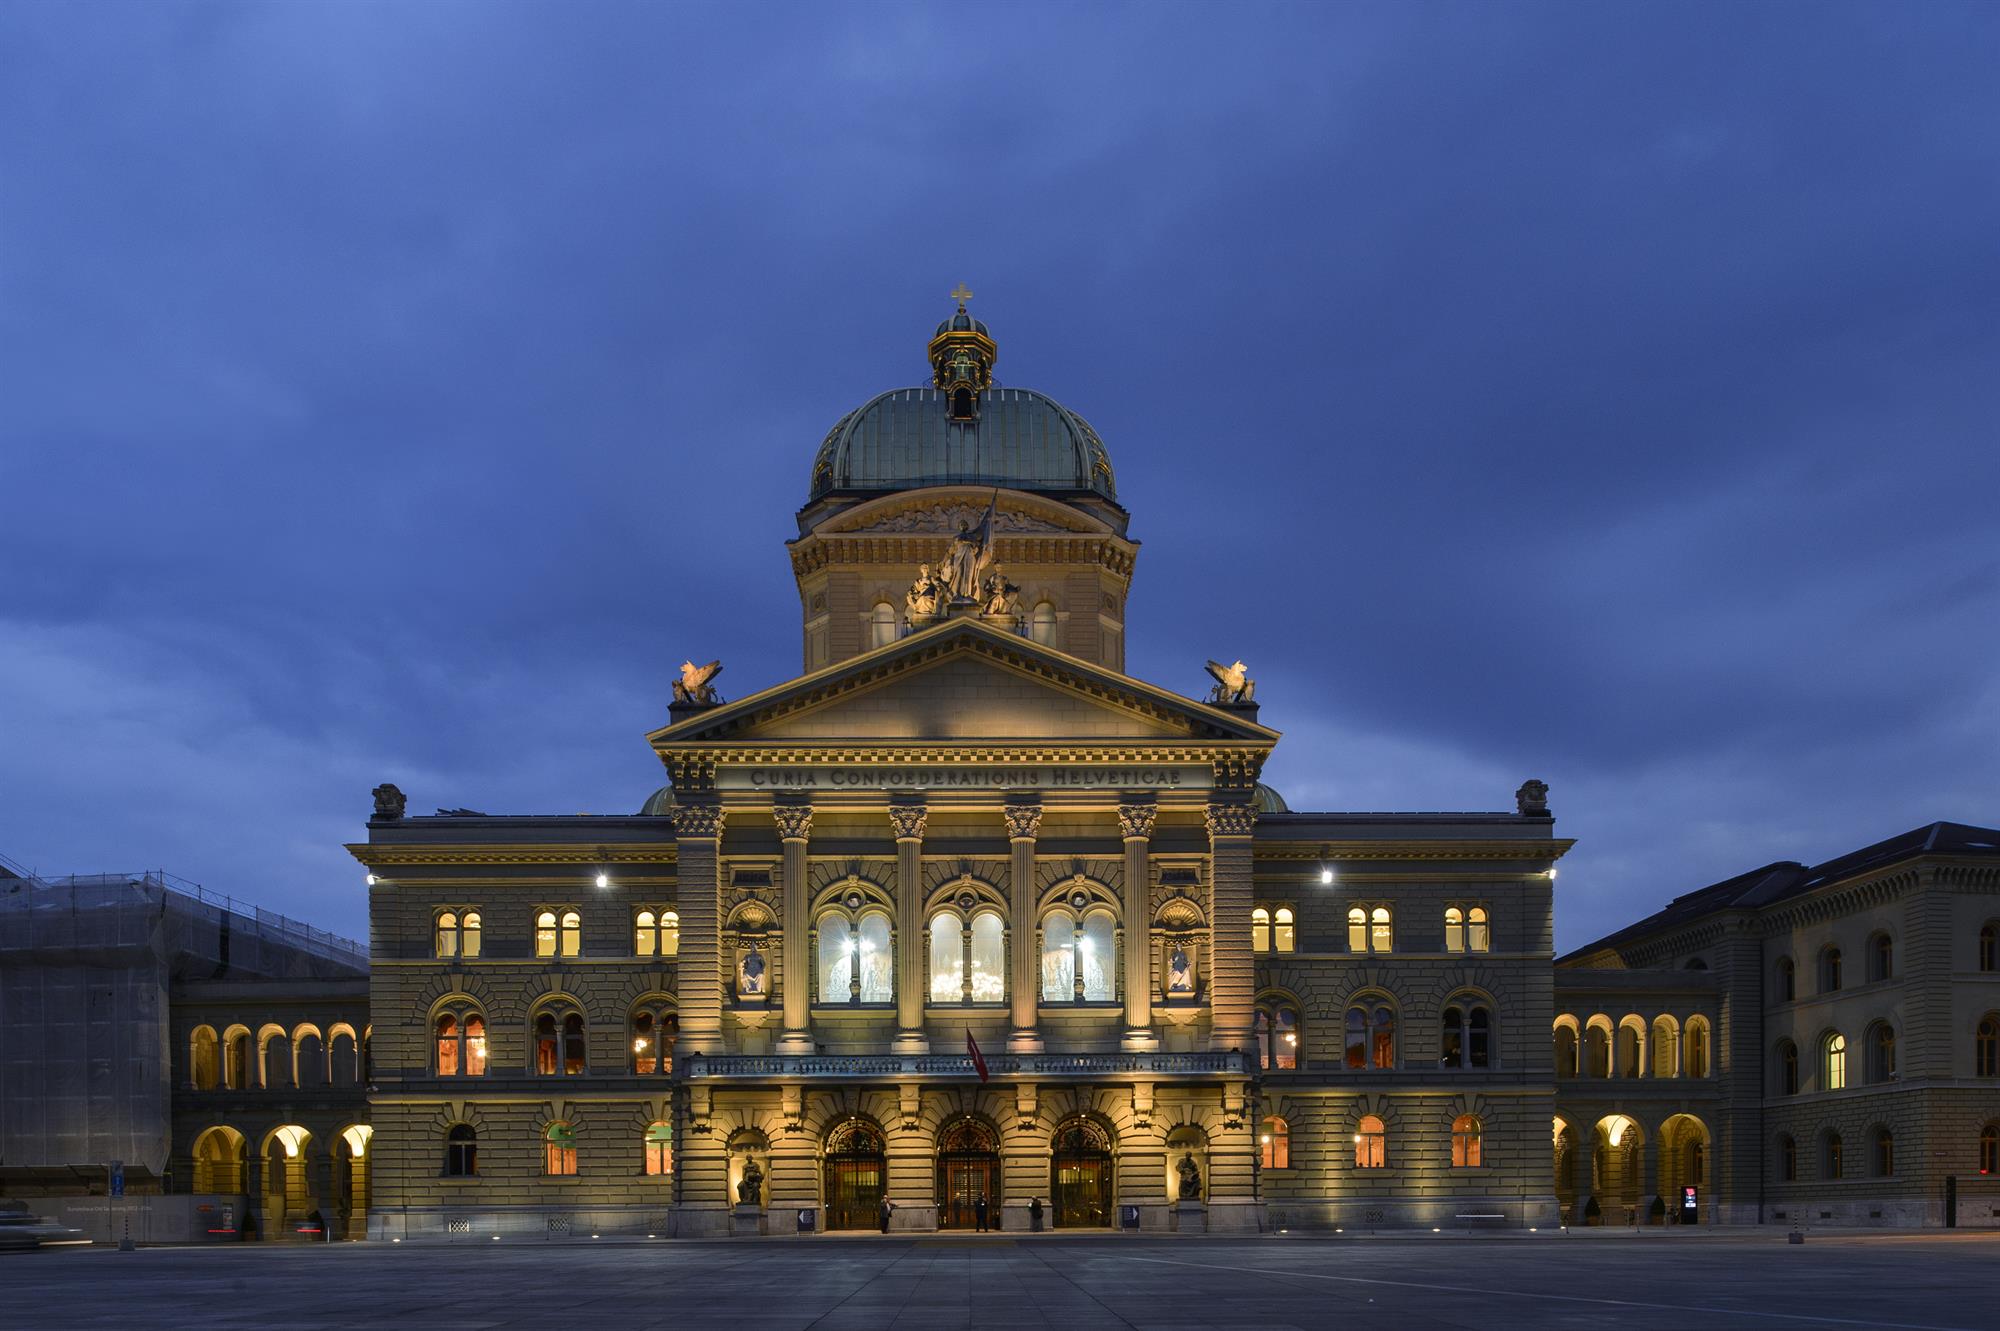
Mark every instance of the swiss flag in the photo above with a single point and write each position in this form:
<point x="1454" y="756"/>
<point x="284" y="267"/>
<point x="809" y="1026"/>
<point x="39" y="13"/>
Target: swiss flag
<point x="972" y="1048"/>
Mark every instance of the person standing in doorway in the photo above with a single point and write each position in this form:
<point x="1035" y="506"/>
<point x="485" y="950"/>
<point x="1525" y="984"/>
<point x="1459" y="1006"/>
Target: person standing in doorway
<point x="979" y="1212"/>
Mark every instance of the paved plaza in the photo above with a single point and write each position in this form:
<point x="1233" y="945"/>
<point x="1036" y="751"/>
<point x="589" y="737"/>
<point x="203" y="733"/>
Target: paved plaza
<point x="1711" y="1281"/>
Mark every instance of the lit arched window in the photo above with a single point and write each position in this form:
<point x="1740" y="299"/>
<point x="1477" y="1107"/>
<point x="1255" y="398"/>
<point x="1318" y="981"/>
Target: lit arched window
<point x="856" y="960"/>
<point x="204" y="1065"/>
<point x="1697" y="1047"/>
<point x="1371" y="1034"/>
<point x="1833" y="1062"/>
<point x="1597" y="1049"/>
<point x="1788" y="980"/>
<point x="1881" y="957"/>
<point x="1466" y="1130"/>
<point x="461" y="1151"/>
<point x="1566" y="1051"/>
<point x="1884" y="1153"/>
<point x="559" y="1044"/>
<point x="1478" y="932"/>
<point x="1260" y="930"/>
<point x="1881" y="1052"/>
<point x="559" y="1150"/>
<point x="655" y="1030"/>
<point x="1989" y="1149"/>
<point x="1986" y="1047"/>
<point x="1788" y="1158"/>
<point x="447" y="933"/>
<point x="1466" y="1035"/>
<point x="461" y="1044"/>
<point x="1357" y="929"/>
<point x="1379" y="933"/>
<point x="875" y="959"/>
<point x="656" y="933"/>
<point x="572" y="934"/>
<point x="236" y="1058"/>
<point x="1058" y="957"/>
<point x="882" y="625"/>
<point x="1788" y="1068"/>
<point x="836" y="959"/>
<point x="1284" y="936"/>
<point x="947" y="958"/>
<point x="1276" y="1033"/>
<point x="545" y="933"/>
<point x="989" y="957"/>
<point x="659" y="1148"/>
<point x="1829" y="970"/>
<point x="1666" y="1046"/>
<point x="1454" y="929"/>
<point x="1042" y="624"/>
<point x="1274" y="1144"/>
<point x="1989" y="947"/>
<point x="1371" y="1144"/>
<point x="1097" y="956"/>
<point x="1831" y="1155"/>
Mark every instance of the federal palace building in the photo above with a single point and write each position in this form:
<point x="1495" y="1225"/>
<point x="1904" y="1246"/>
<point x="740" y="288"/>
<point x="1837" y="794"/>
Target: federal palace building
<point x="964" y="921"/>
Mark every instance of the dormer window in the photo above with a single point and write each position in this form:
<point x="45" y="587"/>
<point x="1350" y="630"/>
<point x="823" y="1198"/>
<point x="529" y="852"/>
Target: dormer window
<point x="962" y="405"/>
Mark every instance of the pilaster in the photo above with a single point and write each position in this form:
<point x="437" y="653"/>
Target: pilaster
<point x="908" y="822"/>
<point x="1232" y="978"/>
<point x="1136" y="825"/>
<point x="698" y="833"/>
<point x="794" y="829"/>
<point x="1024" y="982"/>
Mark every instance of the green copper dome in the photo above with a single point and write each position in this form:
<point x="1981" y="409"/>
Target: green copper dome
<point x="906" y="439"/>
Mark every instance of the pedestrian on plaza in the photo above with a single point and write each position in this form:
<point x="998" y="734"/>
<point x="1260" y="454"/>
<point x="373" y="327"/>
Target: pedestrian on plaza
<point x="979" y="1212"/>
<point x="888" y="1209"/>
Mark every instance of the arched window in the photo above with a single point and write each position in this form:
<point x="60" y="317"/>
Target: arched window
<point x="646" y="933"/>
<point x="461" y="1151"/>
<point x="1371" y="1143"/>
<point x="1260" y="930"/>
<point x="1042" y="625"/>
<point x="1881" y="1052"/>
<point x="1666" y="1046"/>
<point x="469" y="931"/>
<point x="572" y="934"/>
<point x="1697" y="1047"/>
<point x="1597" y="1050"/>
<point x="1566" y="1051"/>
<point x="1989" y="947"/>
<point x="1454" y="929"/>
<point x="1467" y="1035"/>
<point x="1478" y="932"/>
<point x="836" y="959"/>
<point x="1986" y="1047"/>
<point x="1466" y="1130"/>
<point x="989" y="957"/>
<point x="857" y="963"/>
<point x="559" y="1044"/>
<point x="1097" y="956"/>
<point x="659" y="1148"/>
<point x="559" y="1150"/>
<point x="447" y="933"/>
<point x="1630" y="1047"/>
<point x="882" y="625"/>
<point x="461" y="1043"/>
<point x="1788" y="1068"/>
<point x="1989" y="1149"/>
<point x="1058" y="957"/>
<point x="947" y="958"/>
<point x="1788" y="980"/>
<point x="1371" y="1034"/>
<point x="1829" y="970"/>
<point x="1883" y="1153"/>
<point x="877" y="961"/>
<point x="1833" y="1062"/>
<point x="1831" y="1154"/>
<point x="1079" y="961"/>
<point x="1283" y="934"/>
<point x="1881" y="957"/>
<point x="1274" y="1143"/>
<point x="655" y="1029"/>
<point x="1380" y="935"/>
<point x="1788" y="1158"/>
<point x="545" y="933"/>
<point x="1357" y="929"/>
<point x="1277" y="1034"/>
<point x="236" y="1058"/>
<point x="204" y="1063"/>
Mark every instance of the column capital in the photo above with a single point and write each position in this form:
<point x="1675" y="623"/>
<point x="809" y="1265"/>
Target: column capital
<point x="1023" y="821"/>
<point x="1231" y="820"/>
<point x="794" y="821"/>
<point x="1135" y="821"/>
<point x="908" y="821"/>
<point x="698" y="820"/>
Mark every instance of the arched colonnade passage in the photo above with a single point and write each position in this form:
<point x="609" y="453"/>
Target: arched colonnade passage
<point x="293" y="1183"/>
<point x="1614" y="1170"/>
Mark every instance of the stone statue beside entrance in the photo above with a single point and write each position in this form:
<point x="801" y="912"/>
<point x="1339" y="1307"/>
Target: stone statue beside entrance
<point x="750" y="1189"/>
<point x="1190" y="1174"/>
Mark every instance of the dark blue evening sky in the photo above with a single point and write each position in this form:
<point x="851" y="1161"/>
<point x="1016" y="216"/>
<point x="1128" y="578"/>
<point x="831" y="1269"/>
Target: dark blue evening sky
<point x="1604" y="393"/>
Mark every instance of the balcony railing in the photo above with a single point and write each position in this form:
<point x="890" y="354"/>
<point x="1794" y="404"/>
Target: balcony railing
<point x="696" y="1067"/>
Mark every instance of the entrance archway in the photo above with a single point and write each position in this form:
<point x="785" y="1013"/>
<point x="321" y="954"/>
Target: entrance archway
<point x="1080" y="1176"/>
<point x="218" y="1161"/>
<point x="1617" y="1164"/>
<point x="968" y="1168"/>
<point x="856" y="1173"/>
<point x="1684" y="1154"/>
<point x="287" y="1191"/>
<point x="351" y="1159"/>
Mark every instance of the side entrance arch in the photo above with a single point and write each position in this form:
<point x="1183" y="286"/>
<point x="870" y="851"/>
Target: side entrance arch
<point x="1080" y="1176"/>
<point x="856" y="1172"/>
<point x="968" y="1169"/>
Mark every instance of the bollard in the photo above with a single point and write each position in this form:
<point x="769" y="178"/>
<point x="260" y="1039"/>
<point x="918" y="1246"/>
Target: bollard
<point x="1796" y="1236"/>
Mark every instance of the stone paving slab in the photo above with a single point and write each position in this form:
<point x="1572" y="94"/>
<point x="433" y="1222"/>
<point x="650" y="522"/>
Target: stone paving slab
<point x="1747" y="1279"/>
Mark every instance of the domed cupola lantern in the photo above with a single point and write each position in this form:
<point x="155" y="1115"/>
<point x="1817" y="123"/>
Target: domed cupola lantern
<point x="962" y="355"/>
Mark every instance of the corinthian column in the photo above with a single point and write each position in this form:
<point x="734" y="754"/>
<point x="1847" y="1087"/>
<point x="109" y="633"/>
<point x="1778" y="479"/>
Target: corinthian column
<point x="1024" y="978"/>
<point x="908" y="822"/>
<point x="1135" y="822"/>
<point x="1231" y="977"/>
<point x="794" y="827"/>
<point x="698" y="875"/>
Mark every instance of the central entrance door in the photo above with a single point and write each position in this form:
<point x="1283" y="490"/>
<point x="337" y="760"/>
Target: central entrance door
<point x="856" y="1172"/>
<point x="1080" y="1176"/>
<point x="968" y="1168"/>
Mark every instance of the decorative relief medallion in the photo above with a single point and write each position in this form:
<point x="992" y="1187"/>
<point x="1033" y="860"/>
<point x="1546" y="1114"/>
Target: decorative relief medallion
<point x="1136" y="820"/>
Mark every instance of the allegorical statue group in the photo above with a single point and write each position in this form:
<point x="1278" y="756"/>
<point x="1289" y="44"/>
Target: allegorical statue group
<point x="966" y="577"/>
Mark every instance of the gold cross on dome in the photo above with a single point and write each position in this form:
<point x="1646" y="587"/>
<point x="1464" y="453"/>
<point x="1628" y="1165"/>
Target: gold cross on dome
<point x="961" y="295"/>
